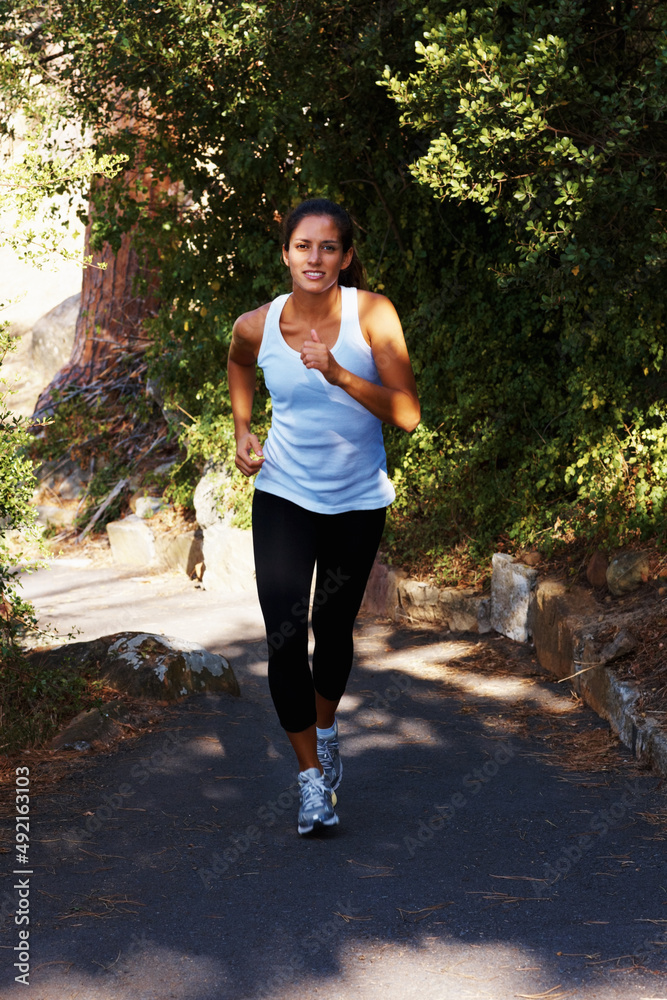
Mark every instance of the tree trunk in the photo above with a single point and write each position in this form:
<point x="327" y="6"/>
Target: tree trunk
<point x="113" y="308"/>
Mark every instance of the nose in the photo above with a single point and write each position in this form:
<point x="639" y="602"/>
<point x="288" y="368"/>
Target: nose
<point x="314" y="254"/>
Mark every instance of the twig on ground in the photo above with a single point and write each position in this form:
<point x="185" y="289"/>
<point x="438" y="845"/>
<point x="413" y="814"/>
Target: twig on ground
<point x="120" y="485"/>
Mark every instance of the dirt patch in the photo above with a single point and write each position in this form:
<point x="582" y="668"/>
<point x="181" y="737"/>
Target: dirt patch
<point x="576" y="741"/>
<point x="95" y="546"/>
<point x="543" y="712"/>
<point x="49" y="767"/>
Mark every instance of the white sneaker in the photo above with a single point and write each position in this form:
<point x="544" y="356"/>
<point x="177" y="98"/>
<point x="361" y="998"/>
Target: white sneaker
<point x="316" y="807"/>
<point x="328" y="754"/>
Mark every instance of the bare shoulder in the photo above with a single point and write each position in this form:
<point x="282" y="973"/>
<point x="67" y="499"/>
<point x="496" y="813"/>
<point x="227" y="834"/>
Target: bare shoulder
<point x="247" y="335"/>
<point x="373" y="306"/>
<point x="249" y="326"/>
<point x="378" y="318"/>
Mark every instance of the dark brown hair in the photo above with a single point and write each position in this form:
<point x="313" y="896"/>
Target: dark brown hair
<point x="354" y="273"/>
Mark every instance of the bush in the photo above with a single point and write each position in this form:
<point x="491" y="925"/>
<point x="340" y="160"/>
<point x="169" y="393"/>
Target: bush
<point x="17" y="484"/>
<point x="509" y="192"/>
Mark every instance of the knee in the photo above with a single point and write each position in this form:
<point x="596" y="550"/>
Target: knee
<point x="278" y="638"/>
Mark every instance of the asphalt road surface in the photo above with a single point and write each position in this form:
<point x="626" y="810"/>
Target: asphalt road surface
<point x="494" y="842"/>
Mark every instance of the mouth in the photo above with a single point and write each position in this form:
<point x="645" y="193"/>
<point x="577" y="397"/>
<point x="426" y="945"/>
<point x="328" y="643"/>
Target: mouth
<point x="313" y="275"/>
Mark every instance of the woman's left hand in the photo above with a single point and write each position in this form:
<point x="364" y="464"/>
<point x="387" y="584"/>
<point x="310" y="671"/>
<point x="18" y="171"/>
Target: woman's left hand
<point x="315" y="354"/>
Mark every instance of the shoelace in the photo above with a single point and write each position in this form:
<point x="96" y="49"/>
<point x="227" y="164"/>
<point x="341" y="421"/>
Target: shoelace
<point x="312" y="791"/>
<point x="326" y="748"/>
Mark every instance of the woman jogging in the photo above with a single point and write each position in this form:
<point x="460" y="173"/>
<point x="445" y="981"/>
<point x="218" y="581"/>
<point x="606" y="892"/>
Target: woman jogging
<point x="336" y="366"/>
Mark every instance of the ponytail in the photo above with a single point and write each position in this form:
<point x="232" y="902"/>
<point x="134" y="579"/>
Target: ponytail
<point x="354" y="274"/>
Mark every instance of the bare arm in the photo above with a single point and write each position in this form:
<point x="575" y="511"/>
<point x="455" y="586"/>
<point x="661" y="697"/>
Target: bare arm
<point x="395" y="401"/>
<point x="241" y="364"/>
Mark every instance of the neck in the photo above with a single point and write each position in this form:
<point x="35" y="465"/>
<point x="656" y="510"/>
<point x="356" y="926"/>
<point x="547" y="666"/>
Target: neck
<point x="311" y="307"/>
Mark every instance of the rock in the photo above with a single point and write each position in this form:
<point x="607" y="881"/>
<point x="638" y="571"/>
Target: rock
<point x="36" y="290"/>
<point x="208" y="494"/>
<point x="627" y="572"/>
<point x="465" y="609"/>
<point x="560" y="615"/>
<point x="132" y="542"/>
<point x="229" y="562"/>
<point x="163" y="667"/>
<point x="64" y="479"/>
<point x="53" y="336"/>
<point x="180" y="552"/>
<point x="512" y="586"/>
<point x="147" y="666"/>
<point x="140" y="493"/>
<point x="57" y="516"/>
<point x="565" y="625"/>
<point x="596" y="571"/>
<point x="381" y="594"/>
<point x="419" y="600"/>
<point x="145" y="507"/>
<point x="96" y="725"/>
<point x="164" y="467"/>
<point x="623" y="643"/>
<point x="390" y="594"/>
<point x="531" y="558"/>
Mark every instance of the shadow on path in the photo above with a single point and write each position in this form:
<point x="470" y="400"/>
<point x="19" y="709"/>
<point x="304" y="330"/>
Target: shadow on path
<point x="493" y="843"/>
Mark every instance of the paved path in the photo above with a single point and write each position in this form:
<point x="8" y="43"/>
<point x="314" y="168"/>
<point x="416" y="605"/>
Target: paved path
<point x="471" y="860"/>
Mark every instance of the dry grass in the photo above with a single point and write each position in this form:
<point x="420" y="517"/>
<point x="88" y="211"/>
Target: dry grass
<point x="572" y="745"/>
<point x="590" y="750"/>
<point x="49" y="767"/>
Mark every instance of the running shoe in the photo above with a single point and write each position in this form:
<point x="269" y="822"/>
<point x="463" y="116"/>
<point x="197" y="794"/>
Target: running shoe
<point x="316" y="807"/>
<point x="328" y="754"/>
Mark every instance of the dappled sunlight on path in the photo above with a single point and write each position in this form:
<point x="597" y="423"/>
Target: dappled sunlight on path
<point x="494" y="841"/>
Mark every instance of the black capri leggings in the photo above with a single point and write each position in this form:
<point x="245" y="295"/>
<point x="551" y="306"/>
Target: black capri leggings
<point x="288" y="542"/>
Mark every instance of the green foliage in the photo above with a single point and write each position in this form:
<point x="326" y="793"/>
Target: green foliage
<point x="210" y="438"/>
<point x="16" y="480"/>
<point x="16" y="513"/>
<point x="37" y="233"/>
<point x="50" y="165"/>
<point x="37" y="700"/>
<point x="20" y="700"/>
<point x="45" y="166"/>
<point x="507" y="180"/>
<point x="34" y="700"/>
<point x="550" y="116"/>
<point x="84" y="432"/>
<point x="99" y="487"/>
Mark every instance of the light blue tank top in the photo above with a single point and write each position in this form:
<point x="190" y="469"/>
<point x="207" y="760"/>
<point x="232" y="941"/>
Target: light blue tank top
<point x="324" y="450"/>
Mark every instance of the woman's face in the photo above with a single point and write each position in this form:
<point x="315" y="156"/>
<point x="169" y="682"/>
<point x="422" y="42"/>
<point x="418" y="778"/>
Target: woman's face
<point x="315" y="256"/>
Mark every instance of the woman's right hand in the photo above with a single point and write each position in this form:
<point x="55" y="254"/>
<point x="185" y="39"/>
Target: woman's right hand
<point x="247" y="445"/>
